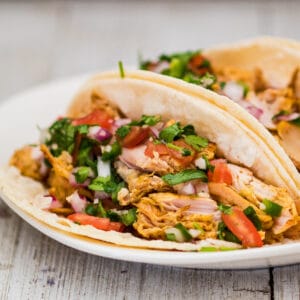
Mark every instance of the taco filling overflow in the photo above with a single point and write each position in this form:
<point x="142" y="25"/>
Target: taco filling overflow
<point x="156" y="179"/>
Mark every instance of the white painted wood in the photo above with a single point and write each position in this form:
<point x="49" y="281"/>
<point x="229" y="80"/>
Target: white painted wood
<point x="9" y="233"/>
<point x="287" y="282"/>
<point x="43" y="40"/>
<point x="47" y="270"/>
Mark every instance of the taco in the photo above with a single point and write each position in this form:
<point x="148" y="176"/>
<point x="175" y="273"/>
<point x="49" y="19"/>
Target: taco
<point x="261" y="75"/>
<point x="143" y="161"/>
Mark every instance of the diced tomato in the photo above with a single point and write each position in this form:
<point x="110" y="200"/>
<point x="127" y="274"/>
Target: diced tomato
<point x="116" y="226"/>
<point x="136" y="136"/>
<point x="196" y="65"/>
<point x="184" y="160"/>
<point x="96" y="117"/>
<point x="242" y="228"/>
<point x="99" y="223"/>
<point x="161" y="149"/>
<point x="221" y="172"/>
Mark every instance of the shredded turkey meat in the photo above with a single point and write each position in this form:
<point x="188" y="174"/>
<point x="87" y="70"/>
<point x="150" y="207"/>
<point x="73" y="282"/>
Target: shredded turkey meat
<point x="256" y="191"/>
<point x="59" y="176"/>
<point x="161" y="211"/>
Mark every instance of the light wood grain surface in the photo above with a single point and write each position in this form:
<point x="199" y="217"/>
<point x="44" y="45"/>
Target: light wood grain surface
<point x="43" y="40"/>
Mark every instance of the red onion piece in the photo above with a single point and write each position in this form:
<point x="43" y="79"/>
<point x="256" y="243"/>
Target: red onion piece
<point x="77" y="202"/>
<point x="289" y="117"/>
<point x="98" y="133"/>
<point x="102" y="195"/>
<point x="55" y="203"/>
<point x="253" y="110"/>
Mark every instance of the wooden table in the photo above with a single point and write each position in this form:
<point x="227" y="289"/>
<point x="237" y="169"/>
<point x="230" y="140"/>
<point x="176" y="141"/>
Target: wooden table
<point x="43" y="41"/>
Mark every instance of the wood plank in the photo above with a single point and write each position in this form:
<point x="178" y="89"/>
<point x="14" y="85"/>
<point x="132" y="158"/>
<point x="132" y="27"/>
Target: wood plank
<point x="9" y="232"/>
<point x="286" y="282"/>
<point x="45" y="269"/>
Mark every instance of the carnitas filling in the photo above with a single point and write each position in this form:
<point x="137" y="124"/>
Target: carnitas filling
<point x="154" y="178"/>
<point x="278" y="109"/>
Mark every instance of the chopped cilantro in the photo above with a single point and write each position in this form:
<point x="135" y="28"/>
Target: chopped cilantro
<point x="252" y="216"/>
<point x="184" y="176"/>
<point x="129" y="218"/>
<point x="101" y="212"/>
<point x="108" y="185"/>
<point x="62" y="137"/>
<point x="170" y="133"/>
<point x="82" y="174"/>
<point x="182" y="150"/>
<point x="91" y="210"/>
<point x="222" y="84"/>
<point x="189" y="130"/>
<point x="123" y="131"/>
<point x="113" y="153"/>
<point x="208" y="80"/>
<point x="149" y="120"/>
<point x="197" y="142"/>
<point x="99" y="183"/>
<point x="82" y="129"/>
<point x="227" y="210"/>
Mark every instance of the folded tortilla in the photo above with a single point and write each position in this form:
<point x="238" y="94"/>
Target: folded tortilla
<point x="238" y="138"/>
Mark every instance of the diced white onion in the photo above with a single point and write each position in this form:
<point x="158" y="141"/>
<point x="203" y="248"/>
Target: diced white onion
<point x="103" y="168"/>
<point x="178" y="235"/>
<point x="36" y="153"/>
<point x="188" y="189"/>
<point x="77" y="203"/>
<point x="194" y="232"/>
<point x="200" y="163"/>
<point x="234" y="91"/>
<point x="262" y="206"/>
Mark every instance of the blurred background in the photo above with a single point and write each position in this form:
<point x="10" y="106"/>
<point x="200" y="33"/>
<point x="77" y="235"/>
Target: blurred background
<point x="43" y="40"/>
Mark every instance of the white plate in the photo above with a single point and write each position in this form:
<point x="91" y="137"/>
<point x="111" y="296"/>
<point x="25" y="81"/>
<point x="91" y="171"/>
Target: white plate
<point x="19" y="117"/>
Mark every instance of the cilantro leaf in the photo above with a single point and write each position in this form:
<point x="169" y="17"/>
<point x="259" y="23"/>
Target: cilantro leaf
<point x="115" y="151"/>
<point x="82" y="174"/>
<point x="208" y="80"/>
<point x="129" y="218"/>
<point x="197" y="142"/>
<point x="149" y="120"/>
<point x="182" y="150"/>
<point x="123" y="131"/>
<point x="227" y="210"/>
<point x="62" y="137"/>
<point x="184" y="176"/>
<point x="169" y="133"/>
<point x="189" y="130"/>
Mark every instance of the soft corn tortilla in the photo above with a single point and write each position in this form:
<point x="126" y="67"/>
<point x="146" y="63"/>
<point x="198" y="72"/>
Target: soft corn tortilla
<point x="240" y="138"/>
<point x="277" y="58"/>
<point x="147" y="93"/>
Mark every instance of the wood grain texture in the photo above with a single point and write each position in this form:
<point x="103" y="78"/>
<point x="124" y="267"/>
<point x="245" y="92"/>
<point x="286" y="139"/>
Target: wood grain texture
<point x="45" y="269"/>
<point x="287" y="282"/>
<point x="44" y="40"/>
